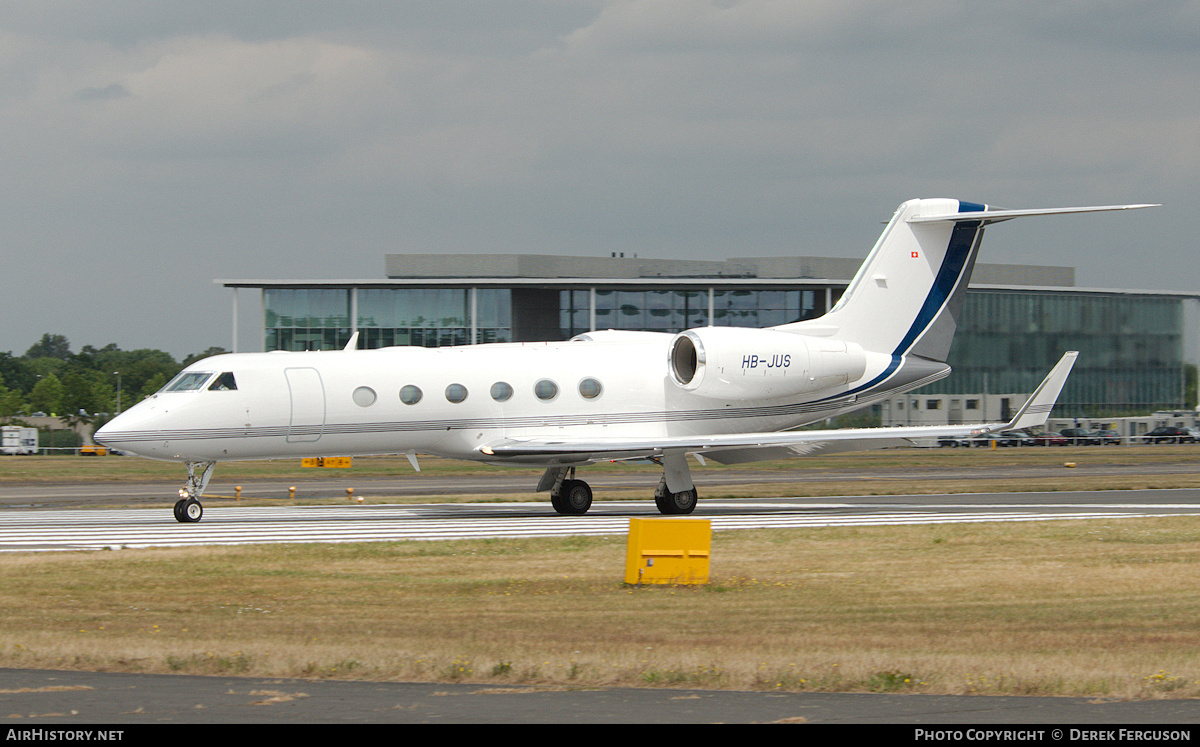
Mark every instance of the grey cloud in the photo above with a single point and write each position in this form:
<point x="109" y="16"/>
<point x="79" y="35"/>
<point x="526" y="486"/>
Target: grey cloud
<point x="109" y="92"/>
<point x="155" y="146"/>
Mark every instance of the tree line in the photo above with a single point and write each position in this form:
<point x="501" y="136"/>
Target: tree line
<point x="83" y="386"/>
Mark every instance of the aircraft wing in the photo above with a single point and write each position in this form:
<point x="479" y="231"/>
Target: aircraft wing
<point x="744" y="447"/>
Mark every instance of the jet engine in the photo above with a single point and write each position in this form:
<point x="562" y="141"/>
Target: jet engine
<point x="742" y="363"/>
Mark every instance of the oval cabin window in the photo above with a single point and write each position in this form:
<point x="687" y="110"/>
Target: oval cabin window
<point x="590" y="389"/>
<point x="545" y="390"/>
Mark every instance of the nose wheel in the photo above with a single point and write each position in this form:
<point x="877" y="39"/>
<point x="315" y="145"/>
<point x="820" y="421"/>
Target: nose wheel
<point x="188" y="511"/>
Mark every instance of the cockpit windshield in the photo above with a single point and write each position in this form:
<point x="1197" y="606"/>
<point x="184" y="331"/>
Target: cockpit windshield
<point x="223" y="383"/>
<point x="188" y="381"/>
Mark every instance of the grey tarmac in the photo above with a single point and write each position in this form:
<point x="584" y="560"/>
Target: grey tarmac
<point x="32" y="698"/>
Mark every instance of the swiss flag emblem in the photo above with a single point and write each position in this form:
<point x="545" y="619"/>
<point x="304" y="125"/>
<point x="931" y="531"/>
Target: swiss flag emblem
<point x="916" y="254"/>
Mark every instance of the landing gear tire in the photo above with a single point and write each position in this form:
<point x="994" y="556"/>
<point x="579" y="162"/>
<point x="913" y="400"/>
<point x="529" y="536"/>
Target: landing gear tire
<point x="573" y="499"/>
<point x="672" y="504"/>
<point x="188" y="511"/>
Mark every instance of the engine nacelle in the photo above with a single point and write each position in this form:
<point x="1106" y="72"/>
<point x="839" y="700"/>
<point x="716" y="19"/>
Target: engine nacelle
<point x="742" y="363"/>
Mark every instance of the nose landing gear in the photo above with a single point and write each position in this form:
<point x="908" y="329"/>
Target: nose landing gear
<point x="188" y="509"/>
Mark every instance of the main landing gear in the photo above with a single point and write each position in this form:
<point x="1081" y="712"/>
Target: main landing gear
<point x="669" y="504"/>
<point x="188" y="509"/>
<point x="675" y="495"/>
<point x="573" y="498"/>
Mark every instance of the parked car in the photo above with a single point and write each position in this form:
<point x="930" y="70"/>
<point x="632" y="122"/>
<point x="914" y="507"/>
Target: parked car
<point x="1168" y="434"/>
<point x="1109" y="438"/>
<point x="1079" y="436"/>
<point x="947" y="441"/>
<point x="1022" y="438"/>
<point x="1050" y="438"/>
<point x="1000" y="439"/>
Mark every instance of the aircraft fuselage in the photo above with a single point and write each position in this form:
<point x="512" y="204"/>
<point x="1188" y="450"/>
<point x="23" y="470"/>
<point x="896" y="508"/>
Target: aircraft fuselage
<point x="445" y="401"/>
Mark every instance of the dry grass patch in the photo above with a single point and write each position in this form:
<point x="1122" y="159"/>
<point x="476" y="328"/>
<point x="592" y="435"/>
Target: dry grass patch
<point x="1079" y="607"/>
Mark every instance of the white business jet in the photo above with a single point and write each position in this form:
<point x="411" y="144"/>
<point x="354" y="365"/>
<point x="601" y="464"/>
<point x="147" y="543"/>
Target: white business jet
<point x="722" y="393"/>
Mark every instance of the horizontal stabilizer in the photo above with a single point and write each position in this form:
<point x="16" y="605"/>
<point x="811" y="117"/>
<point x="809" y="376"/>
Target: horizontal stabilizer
<point x="995" y="216"/>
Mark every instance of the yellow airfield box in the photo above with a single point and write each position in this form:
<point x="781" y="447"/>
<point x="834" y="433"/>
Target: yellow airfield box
<point x="668" y="551"/>
<point x="326" y="462"/>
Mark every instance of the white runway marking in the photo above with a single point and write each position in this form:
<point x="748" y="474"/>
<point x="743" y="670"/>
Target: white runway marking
<point x="39" y="530"/>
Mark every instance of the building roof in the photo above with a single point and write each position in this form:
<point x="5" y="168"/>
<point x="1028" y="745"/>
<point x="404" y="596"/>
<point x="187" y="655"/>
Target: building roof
<point x="557" y="271"/>
<point x="546" y="266"/>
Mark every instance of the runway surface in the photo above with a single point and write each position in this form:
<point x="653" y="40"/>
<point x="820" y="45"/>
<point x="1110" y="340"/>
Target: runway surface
<point x="225" y="523"/>
<point x="36" y="699"/>
<point x="502" y="481"/>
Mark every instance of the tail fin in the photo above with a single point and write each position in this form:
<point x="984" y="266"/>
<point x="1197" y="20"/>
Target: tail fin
<point x="908" y="294"/>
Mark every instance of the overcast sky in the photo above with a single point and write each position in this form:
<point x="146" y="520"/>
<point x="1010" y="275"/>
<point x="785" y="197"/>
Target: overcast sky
<point x="150" y="146"/>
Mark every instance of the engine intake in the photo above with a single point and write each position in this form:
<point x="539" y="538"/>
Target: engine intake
<point x="741" y="363"/>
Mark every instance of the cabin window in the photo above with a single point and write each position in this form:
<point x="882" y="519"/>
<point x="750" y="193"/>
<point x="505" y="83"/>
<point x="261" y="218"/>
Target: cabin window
<point x="364" y="396"/>
<point x="502" y="391"/>
<point x="456" y="393"/>
<point x="223" y="383"/>
<point x="545" y="390"/>
<point x="590" y="389"/>
<point x="188" y="381"/>
<point x="410" y="395"/>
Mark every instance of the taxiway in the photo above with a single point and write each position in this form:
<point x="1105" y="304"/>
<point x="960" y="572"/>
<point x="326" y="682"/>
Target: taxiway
<point x="226" y="523"/>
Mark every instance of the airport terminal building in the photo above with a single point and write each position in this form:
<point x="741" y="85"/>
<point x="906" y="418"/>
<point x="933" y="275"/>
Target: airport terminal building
<point x="1135" y="346"/>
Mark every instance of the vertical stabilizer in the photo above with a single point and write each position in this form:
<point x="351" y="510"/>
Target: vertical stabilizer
<point x="908" y="294"/>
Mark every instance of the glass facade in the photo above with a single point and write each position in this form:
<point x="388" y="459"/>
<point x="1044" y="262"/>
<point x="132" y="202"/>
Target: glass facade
<point x="677" y="310"/>
<point x="319" y="318"/>
<point x="1131" y="346"/>
<point x="306" y="318"/>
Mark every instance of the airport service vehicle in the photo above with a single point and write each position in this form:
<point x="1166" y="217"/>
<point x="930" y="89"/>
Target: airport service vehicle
<point x="728" y="394"/>
<point x="17" y="439"/>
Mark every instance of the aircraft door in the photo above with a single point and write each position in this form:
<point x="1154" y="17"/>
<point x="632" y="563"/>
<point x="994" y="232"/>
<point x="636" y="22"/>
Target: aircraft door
<point x="307" y="394"/>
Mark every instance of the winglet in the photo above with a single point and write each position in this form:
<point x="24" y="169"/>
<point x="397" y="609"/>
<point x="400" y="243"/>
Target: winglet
<point x="1035" y="411"/>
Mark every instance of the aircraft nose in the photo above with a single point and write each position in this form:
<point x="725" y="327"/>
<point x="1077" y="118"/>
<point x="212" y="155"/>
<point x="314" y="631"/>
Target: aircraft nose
<point x="109" y="434"/>
<point x="121" y="433"/>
